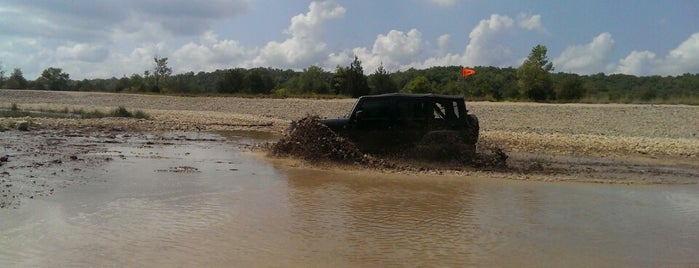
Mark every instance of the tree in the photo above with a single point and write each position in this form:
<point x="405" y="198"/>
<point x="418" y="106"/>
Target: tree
<point x="260" y="81"/>
<point x="161" y="72"/>
<point x="53" y="79"/>
<point x="183" y="83"/>
<point x="533" y="76"/>
<point x="2" y="76"/>
<point x="419" y="84"/>
<point x="339" y="81"/>
<point x="313" y="80"/>
<point x="16" y="80"/>
<point x="351" y="80"/>
<point x="570" y="88"/>
<point x="137" y="83"/>
<point x="357" y="80"/>
<point x="233" y="81"/>
<point x="380" y="82"/>
<point x="121" y="84"/>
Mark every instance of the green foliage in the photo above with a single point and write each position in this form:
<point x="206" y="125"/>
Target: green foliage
<point x="233" y="81"/>
<point x="121" y="112"/>
<point x="137" y="83"/>
<point x="53" y="79"/>
<point x="140" y="114"/>
<point x="183" y="83"/>
<point x="380" y="82"/>
<point x="570" y="88"/>
<point x="2" y="76"/>
<point x="534" y="77"/>
<point x="260" y="81"/>
<point x="419" y="84"/>
<point x="312" y="80"/>
<point x="351" y="80"/>
<point x="160" y="72"/>
<point x="253" y="81"/>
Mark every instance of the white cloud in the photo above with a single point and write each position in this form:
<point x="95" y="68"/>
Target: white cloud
<point x="683" y="59"/>
<point x="593" y="58"/>
<point x="209" y="55"/>
<point x="304" y="47"/>
<point x="485" y="46"/>
<point x="135" y="61"/>
<point x="531" y="22"/>
<point x="637" y="63"/>
<point x="370" y="61"/>
<point x="586" y="59"/>
<point x="83" y="52"/>
<point x="488" y="46"/>
<point x="483" y="49"/>
<point x="118" y="63"/>
<point x="392" y="50"/>
<point x="398" y="46"/>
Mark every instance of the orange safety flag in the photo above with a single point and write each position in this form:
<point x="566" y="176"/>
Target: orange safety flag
<point x="466" y="72"/>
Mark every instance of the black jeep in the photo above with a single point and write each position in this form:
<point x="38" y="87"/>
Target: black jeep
<point x="389" y="122"/>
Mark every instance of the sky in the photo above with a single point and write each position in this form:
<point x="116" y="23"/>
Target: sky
<point x="116" y="38"/>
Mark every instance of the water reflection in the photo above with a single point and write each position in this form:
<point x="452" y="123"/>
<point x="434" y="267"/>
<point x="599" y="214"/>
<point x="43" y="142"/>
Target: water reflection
<point x="422" y="220"/>
<point x="384" y="219"/>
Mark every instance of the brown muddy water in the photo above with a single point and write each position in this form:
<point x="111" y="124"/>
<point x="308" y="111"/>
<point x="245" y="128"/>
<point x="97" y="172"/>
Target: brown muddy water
<point x="205" y="202"/>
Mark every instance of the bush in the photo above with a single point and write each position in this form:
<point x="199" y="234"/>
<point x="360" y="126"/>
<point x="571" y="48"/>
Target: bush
<point x="121" y="112"/>
<point x="140" y="115"/>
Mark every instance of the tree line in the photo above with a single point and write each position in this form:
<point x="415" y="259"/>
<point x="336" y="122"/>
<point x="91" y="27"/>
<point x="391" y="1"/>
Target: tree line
<point x="534" y="80"/>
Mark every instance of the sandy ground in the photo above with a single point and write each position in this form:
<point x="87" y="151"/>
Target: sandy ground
<point x="610" y="143"/>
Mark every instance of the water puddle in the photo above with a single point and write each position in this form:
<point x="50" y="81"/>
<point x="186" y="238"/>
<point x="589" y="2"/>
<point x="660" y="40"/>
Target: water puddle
<point x="200" y="200"/>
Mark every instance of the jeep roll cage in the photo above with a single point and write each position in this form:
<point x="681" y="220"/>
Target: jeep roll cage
<point x="444" y="100"/>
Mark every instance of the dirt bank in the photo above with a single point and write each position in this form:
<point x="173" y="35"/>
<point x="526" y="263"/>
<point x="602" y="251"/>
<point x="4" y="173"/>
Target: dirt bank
<point x="579" y="142"/>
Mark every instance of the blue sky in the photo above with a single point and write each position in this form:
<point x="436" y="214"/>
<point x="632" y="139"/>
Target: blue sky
<point x="101" y="39"/>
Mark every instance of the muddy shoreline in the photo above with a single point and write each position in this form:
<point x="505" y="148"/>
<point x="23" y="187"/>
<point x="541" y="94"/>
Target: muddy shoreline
<point x="627" y="144"/>
<point x="41" y="162"/>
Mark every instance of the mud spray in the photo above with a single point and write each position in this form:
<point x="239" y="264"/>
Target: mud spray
<point x="313" y="141"/>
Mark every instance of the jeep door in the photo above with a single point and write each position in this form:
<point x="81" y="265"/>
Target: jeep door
<point x="412" y="116"/>
<point x="372" y="123"/>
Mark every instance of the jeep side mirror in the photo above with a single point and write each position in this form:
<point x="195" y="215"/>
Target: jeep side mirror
<point x="359" y="114"/>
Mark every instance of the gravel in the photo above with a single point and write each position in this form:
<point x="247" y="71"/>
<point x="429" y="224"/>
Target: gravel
<point x="564" y="129"/>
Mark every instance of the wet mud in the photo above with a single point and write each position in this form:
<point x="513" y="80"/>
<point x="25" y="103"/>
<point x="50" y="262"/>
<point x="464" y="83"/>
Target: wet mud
<point x="38" y="163"/>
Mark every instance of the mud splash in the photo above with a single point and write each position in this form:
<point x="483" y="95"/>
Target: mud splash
<point x="311" y="140"/>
